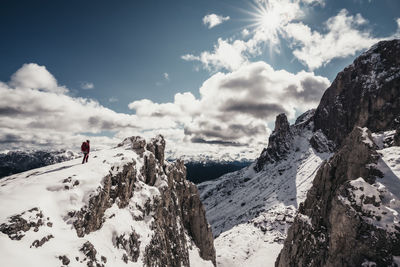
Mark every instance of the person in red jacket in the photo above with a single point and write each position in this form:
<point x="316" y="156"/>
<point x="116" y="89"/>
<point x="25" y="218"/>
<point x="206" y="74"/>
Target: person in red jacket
<point x="85" y="148"/>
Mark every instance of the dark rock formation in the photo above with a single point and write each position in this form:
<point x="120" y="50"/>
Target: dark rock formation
<point x="178" y="209"/>
<point x="91" y="255"/>
<point x="365" y="94"/>
<point x="17" y="225"/>
<point x="64" y="260"/>
<point x="334" y="225"/>
<point x="116" y="188"/>
<point x="278" y="143"/>
<point x="327" y="231"/>
<point x="396" y="138"/>
<point x="38" y="243"/>
<point x="130" y="244"/>
<point x="320" y="143"/>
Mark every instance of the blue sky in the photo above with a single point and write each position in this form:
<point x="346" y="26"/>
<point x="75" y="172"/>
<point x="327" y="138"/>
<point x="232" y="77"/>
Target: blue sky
<point x="116" y="53"/>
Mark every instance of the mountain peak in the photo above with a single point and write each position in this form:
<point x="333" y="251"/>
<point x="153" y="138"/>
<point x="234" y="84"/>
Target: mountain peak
<point x="281" y="123"/>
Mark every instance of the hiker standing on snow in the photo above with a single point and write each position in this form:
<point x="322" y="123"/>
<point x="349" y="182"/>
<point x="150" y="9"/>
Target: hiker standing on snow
<point x="85" y="148"/>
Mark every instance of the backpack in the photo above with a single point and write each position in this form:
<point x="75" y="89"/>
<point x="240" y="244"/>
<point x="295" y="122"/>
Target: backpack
<point x="84" y="147"/>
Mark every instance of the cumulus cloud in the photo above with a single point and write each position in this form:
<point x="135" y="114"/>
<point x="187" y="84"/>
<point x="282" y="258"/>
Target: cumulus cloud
<point x="343" y="37"/>
<point x="36" y="111"/>
<point x="233" y="108"/>
<point x="36" y="77"/>
<point x="87" y="85"/>
<point x="228" y="120"/>
<point x="212" y="20"/>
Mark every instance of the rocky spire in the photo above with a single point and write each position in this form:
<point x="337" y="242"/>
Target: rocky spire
<point x="281" y="123"/>
<point x="278" y="143"/>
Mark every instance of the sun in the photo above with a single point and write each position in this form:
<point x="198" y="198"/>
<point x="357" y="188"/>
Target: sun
<point x="267" y="17"/>
<point x="271" y="16"/>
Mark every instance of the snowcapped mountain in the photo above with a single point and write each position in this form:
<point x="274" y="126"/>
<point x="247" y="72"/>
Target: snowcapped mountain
<point x="325" y="192"/>
<point x="250" y="210"/>
<point x="126" y="207"/>
<point x="18" y="161"/>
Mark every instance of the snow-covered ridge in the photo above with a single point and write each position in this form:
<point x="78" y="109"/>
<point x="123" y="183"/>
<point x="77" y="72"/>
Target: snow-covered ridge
<point x="107" y="212"/>
<point x="12" y="162"/>
<point x="251" y="211"/>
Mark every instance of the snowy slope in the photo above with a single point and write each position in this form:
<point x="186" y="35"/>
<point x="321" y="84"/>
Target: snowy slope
<point x="250" y="211"/>
<point x="46" y="197"/>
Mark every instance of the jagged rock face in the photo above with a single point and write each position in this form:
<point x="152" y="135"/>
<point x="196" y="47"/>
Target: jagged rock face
<point x="176" y="211"/>
<point x="333" y="228"/>
<point x="365" y="94"/>
<point x="396" y="139"/>
<point x="278" y="143"/>
<point x="116" y="188"/>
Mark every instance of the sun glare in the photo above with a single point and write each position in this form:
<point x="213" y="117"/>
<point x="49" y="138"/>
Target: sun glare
<point x="267" y="17"/>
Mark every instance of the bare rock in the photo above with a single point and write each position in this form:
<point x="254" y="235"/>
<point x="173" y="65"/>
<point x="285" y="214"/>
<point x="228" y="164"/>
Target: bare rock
<point x="329" y="231"/>
<point x="364" y="94"/>
<point x="64" y="259"/>
<point x="17" y="225"/>
<point x="131" y="245"/>
<point x="39" y="243"/>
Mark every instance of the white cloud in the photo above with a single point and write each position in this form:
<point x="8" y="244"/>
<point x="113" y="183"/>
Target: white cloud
<point x="234" y="108"/>
<point x="166" y="76"/>
<point x="343" y="37"/>
<point x="314" y="2"/>
<point x="113" y="99"/>
<point x="269" y="19"/>
<point x="245" y="32"/>
<point x="87" y="85"/>
<point x="212" y="20"/>
<point x="36" y="112"/>
<point x="228" y="119"/>
<point x="36" y="77"/>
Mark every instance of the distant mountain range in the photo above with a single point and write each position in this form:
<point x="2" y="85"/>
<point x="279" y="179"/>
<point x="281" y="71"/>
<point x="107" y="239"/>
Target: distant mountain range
<point x="20" y="161"/>
<point x="197" y="171"/>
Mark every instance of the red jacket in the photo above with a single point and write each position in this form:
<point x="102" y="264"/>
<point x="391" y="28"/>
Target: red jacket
<point x="85" y="147"/>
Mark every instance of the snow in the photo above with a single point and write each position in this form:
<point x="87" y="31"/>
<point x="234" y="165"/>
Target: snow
<point x="366" y="138"/>
<point x="380" y="202"/>
<point x="382" y="139"/>
<point x="246" y="245"/>
<point x="196" y="260"/>
<point x="54" y="190"/>
<point x="250" y="212"/>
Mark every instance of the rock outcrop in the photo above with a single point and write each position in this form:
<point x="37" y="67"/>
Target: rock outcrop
<point x="328" y="230"/>
<point x="347" y="218"/>
<point x="177" y="211"/>
<point x="281" y="140"/>
<point x="278" y="143"/>
<point x="365" y="94"/>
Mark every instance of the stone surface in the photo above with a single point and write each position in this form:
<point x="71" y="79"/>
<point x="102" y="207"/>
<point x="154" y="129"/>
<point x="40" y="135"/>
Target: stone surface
<point x="278" y="143"/>
<point x="17" y="225"/>
<point x="365" y="94"/>
<point x="177" y="211"/>
<point x="327" y="232"/>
